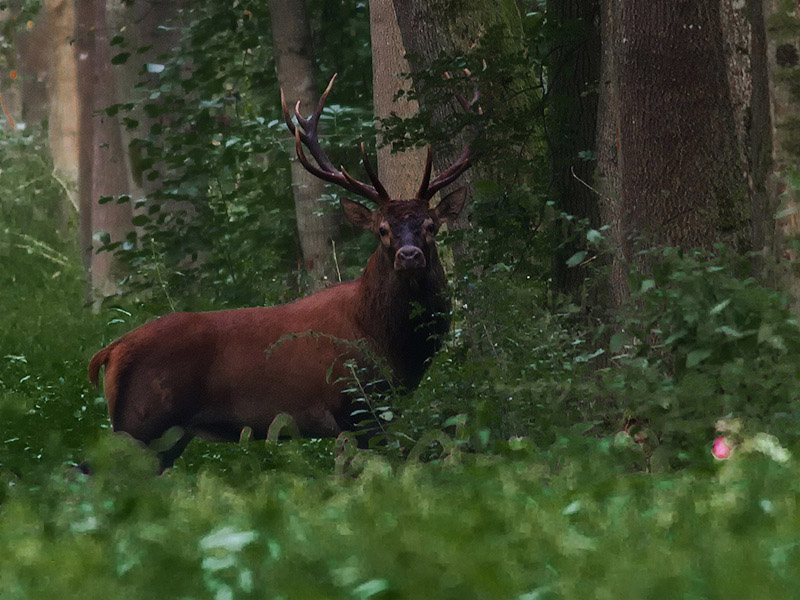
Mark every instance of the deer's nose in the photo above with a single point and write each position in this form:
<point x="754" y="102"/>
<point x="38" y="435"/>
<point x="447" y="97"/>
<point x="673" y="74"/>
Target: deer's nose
<point x="409" y="257"/>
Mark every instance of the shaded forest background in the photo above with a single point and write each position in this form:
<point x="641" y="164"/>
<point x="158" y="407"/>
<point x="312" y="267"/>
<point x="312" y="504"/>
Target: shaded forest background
<point x="624" y="278"/>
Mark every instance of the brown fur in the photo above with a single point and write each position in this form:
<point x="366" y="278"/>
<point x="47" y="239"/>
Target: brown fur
<point x="212" y="374"/>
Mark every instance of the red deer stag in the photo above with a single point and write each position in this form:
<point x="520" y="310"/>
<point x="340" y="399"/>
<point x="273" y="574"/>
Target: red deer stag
<point x="213" y="374"/>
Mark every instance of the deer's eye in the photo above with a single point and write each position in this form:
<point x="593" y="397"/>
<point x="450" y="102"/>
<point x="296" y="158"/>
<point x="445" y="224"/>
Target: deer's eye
<point x="383" y="231"/>
<point x="431" y="228"/>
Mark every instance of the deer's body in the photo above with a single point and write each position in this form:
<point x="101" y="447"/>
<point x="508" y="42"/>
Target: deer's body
<point x="213" y="374"/>
<point x="226" y="370"/>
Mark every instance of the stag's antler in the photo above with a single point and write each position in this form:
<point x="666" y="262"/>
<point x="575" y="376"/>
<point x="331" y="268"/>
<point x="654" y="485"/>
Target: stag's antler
<point x="310" y="137"/>
<point x="428" y="188"/>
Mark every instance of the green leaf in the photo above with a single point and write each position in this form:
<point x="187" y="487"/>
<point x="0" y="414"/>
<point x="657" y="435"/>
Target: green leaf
<point x="576" y="259"/>
<point x="618" y="341"/>
<point x="695" y="357"/>
<point x="121" y="58"/>
<point x="730" y="332"/>
<point x="593" y="236"/>
<point x="720" y="307"/>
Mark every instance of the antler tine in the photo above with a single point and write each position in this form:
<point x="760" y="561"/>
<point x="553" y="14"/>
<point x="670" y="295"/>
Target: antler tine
<point x="324" y="96"/>
<point x="316" y="171"/>
<point x="286" y="116"/>
<point x="308" y="124"/>
<point x="426" y="177"/>
<point x="464" y="161"/>
<point x="306" y="134"/>
<point x="373" y="176"/>
<point x="452" y="173"/>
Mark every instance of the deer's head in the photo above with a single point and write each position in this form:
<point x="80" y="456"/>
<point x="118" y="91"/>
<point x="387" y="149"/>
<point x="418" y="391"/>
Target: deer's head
<point x="406" y="228"/>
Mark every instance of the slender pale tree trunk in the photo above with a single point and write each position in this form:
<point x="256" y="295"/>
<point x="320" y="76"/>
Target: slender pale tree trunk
<point x="294" y="59"/>
<point x="399" y="172"/>
<point x="62" y="87"/>
<point x="84" y="58"/>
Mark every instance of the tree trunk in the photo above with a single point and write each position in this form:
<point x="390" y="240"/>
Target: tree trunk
<point x="782" y="43"/>
<point x="668" y="150"/>
<point x="109" y="169"/>
<point x="62" y="87"/>
<point x="399" y="172"/>
<point x="294" y="59"/>
<point x="34" y="47"/>
<point x="84" y="59"/>
<point x="433" y="29"/>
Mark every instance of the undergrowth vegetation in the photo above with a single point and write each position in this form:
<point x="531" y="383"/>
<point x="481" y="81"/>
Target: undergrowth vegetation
<point x="545" y="455"/>
<point x="540" y="458"/>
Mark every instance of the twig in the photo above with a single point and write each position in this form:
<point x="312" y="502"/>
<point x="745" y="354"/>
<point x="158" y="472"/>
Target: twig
<point x="8" y="116"/>
<point x="572" y="170"/>
<point x="336" y="261"/>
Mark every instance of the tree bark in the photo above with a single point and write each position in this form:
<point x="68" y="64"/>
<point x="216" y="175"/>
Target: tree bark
<point x="294" y="59"/>
<point x="62" y="87"/>
<point x="34" y="47"/>
<point x="400" y="172"/>
<point x="84" y="59"/>
<point x="432" y="29"/>
<point x="676" y="165"/>
<point x="782" y="41"/>
<point x="109" y="168"/>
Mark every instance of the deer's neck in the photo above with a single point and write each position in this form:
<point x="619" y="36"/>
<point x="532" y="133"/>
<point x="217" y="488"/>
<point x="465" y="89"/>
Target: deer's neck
<point x="404" y="315"/>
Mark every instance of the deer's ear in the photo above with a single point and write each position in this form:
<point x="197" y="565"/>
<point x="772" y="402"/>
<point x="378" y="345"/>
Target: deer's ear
<point x="358" y="214"/>
<point x="450" y="206"/>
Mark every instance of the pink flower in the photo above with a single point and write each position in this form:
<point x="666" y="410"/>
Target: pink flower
<point x="721" y="449"/>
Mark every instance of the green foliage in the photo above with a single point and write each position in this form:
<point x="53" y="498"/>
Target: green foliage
<point x="521" y="525"/>
<point x="212" y="153"/>
<point x="704" y="341"/>
<point x="545" y="455"/>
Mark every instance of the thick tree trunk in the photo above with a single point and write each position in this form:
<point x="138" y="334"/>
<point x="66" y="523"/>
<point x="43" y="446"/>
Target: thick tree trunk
<point x="109" y="168"/>
<point x="294" y="58"/>
<point x="782" y="43"/>
<point x="676" y="160"/>
<point x="432" y="29"/>
<point x="399" y="172"/>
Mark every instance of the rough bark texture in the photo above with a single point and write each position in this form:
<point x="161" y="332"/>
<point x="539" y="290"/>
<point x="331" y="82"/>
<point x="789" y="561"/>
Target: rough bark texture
<point x="678" y="162"/>
<point x="572" y="102"/>
<point x="432" y="29"/>
<point x="294" y="58"/>
<point x="783" y="57"/>
<point x="759" y="137"/>
<point x="607" y="175"/>
<point x="84" y="58"/>
<point x="109" y="168"/>
<point x="399" y="172"/>
<point x="62" y="87"/>
<point x="34" y="47"/>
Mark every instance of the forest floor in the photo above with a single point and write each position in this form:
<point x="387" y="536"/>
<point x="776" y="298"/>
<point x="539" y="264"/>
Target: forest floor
<point x="287" y="520"/>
